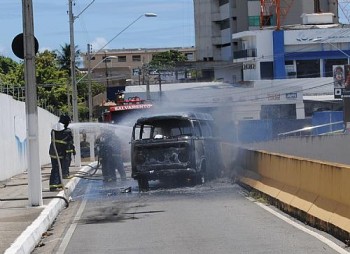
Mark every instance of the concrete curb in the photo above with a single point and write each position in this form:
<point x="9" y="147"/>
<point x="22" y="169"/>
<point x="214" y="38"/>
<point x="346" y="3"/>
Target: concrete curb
<point x="29" y="238"/>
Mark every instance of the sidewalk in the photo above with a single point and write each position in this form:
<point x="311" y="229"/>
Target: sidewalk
<point x="21" y="226"/>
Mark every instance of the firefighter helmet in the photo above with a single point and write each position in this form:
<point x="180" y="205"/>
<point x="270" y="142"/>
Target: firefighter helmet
<point x="65" y="119"/>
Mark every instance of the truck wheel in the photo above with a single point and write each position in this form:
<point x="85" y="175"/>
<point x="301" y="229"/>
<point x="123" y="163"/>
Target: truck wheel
<point x="143" y="184"/>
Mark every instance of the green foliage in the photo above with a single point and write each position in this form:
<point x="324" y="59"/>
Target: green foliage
<point x="48" y="70"/>
<point x="7" y="65"/>
<point x="53" y="80"/>
<point x="63" y="57"/>
<point x="167" y="59"/>
<point x="11" y="72"/>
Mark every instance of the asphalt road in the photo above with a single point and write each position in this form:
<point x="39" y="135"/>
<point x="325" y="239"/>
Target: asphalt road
<point x="217" y="217"/>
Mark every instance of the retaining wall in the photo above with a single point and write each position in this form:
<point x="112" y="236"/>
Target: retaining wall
<point x="13" y="137"/>
<point x="314" y="191"/>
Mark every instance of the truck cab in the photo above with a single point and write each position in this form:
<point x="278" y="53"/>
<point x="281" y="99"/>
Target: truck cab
<point x="177" y="145"/>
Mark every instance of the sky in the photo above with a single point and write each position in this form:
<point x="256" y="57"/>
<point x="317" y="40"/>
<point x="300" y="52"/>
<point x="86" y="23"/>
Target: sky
<point x="101" y="22"/>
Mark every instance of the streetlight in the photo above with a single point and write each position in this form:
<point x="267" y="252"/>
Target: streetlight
<point x="72" y="18"/>
<point x="74" y="83"/>
<point x="147" y="15"/>
<point x="72" y="63"/>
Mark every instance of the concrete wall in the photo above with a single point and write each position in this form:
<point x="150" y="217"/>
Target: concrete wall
<point x="13" y="138"/>
<point x="330" y="148"/>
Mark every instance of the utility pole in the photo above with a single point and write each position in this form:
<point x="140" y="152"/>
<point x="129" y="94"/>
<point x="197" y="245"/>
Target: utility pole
<point x="72" y="63"/>
<point x="90" y="85"/>
<point x="160" y="84"/>
<point x="77" y="160"/>
<point x="34" y="169"/>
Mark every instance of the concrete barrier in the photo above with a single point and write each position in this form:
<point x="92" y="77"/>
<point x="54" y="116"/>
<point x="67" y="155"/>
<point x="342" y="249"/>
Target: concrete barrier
<point x="315" y="191"/>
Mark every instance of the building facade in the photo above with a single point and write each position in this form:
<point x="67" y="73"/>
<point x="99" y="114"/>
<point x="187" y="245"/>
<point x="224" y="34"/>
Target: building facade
<point x="305" y="51"/>
<point x="120" y="67"/>
<point x="217" y="20"/>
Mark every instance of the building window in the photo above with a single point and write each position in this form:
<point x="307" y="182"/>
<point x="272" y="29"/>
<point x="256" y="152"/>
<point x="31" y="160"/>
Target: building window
<point x="266" y="70"/>
<point x="222" y="2"/>
<point x="189" y="56"/>
<point x="254" y="20"/>
<point x="234" y="25"/>
<point x="106" y="59"/>
<point x="121" y="58"/>
<point x="136" y="58"/>
<point x="308" y="68"/>
<point x="224" y="24"/>
<point x="281" y="111"/>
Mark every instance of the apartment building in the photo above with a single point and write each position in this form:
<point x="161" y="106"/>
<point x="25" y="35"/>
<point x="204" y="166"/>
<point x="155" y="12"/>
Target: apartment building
<point x="120" y="67"/>
<point x="216" y="21"/>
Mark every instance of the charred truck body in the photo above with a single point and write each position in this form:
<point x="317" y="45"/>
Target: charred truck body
<point x="165" y="147"/>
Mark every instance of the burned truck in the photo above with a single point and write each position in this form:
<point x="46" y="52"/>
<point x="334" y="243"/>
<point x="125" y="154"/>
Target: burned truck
<point x="176" y="146"/>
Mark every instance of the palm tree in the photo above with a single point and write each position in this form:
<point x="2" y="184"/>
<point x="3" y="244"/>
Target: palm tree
<point x="63" y="57"/>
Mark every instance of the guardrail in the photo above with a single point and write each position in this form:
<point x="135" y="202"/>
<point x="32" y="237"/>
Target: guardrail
<point x="307" y="131"/>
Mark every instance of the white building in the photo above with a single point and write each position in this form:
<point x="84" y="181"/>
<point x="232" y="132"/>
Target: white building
<point x="217" y="20"/>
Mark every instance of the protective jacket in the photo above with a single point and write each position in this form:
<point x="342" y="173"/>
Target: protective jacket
<point x="63" y="140"/>
<point x="109" y="153"/>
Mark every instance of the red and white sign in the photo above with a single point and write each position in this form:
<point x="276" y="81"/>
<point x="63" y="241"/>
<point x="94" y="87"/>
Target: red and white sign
<point x="130" y="107"/>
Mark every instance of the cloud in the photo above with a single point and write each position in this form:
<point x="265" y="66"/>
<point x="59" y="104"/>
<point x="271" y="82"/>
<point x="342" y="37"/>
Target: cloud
<point x="98" y="43"/>
<point x="42" y="49"/>
<point x="2" y="50"/>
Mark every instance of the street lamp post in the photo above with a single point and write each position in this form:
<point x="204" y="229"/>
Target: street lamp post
<point x="72" y="57"/>
<point x="89" y="85"/>
<point x="72" y="63"/>
<point x="77" y="159"/>
<point x="72" y="53"/>
<point x="147" y="15"/>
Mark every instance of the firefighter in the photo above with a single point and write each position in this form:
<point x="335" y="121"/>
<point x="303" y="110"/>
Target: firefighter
<point x="61" y="139"/>
<point x="109" y="153"/>
<point x="65" y="119"/>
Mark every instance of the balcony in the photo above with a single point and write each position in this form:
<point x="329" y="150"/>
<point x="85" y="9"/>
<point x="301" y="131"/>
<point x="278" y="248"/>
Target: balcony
<point x="244" y="53"/>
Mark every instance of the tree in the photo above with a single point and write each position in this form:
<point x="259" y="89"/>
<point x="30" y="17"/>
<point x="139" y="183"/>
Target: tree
<point x="167" y="60"/>
<point x="164" y="61"/>
<point x="9" y="71"/>
<point x="7" y="65"/>
<point x="52" y="82"/>
<point x="52" y="78"/>
<point x="63" y="56"/>
<point x="48" y="70"/>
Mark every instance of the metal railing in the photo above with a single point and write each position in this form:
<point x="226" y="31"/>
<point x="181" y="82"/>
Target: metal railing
<point x="310" y="130"/>
<point x="244" y="53"/>
<point x="18" y="93"/>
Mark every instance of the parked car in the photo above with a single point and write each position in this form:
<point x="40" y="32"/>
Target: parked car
<point x="172" y="146"/>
